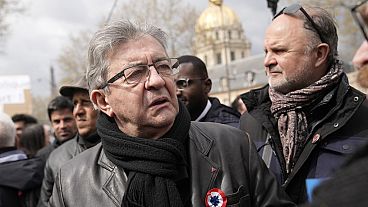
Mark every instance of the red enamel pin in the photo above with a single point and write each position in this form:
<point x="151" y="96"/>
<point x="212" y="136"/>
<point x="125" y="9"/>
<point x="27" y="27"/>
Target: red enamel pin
<point x="215" y="198"/>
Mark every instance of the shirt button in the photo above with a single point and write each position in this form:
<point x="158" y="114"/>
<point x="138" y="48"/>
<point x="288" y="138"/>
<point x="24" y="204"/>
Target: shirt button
<point x="345" y="147"/>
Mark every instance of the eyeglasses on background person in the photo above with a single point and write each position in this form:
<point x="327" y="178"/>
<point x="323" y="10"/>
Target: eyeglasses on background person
<point x="182" y="83"/>
<point x="292" y="9"/>
<point x="360" y="15"/>
<point x="137" y="73"/>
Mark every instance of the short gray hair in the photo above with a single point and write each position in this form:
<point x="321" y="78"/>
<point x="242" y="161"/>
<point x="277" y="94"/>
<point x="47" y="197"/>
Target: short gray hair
<point x="107" y="39"/>
<point x="327" y="27"/>
<point x="7" y="131"/>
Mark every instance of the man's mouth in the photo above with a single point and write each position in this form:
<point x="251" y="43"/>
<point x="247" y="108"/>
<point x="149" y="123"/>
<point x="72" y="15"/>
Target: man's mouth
<point x="64" y="134"/>
<point x="159" y="101"/>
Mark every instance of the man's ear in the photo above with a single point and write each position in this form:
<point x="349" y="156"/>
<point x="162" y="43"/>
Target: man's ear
<point x="322" y="52"/>
<point x="100" y="100"/>
<point x="207" y="85"/>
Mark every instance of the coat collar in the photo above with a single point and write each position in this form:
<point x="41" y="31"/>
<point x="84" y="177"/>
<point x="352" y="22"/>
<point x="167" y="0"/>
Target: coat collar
<point x="204" y="168"/>
<point x="116" y="182"/>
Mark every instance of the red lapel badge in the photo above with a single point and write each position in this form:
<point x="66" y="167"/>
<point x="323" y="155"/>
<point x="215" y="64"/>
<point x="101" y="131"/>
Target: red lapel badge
<point x="215" y="198"/>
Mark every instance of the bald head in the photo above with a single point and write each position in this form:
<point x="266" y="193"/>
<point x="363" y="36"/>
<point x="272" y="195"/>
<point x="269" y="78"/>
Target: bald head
<point x="7" y="131"/>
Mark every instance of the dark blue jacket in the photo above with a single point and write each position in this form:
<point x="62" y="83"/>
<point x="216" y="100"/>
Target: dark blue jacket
<point x="19" y="181"/>
<point x="348" y="186"/>
<point x="222" y="114"/>
<point x="337" y="128"/>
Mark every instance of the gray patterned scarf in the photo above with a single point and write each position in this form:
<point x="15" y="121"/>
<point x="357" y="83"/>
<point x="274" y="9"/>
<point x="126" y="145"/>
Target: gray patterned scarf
<point x="291" y="119"/>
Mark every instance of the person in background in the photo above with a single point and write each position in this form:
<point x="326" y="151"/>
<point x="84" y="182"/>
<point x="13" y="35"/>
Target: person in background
<point x="193" y="86"/>
<point x="348" y="187"/>
<point x="32" y="139"/>
<point x="308" y="118"/>
<point x="360" y="59"/>
<point x="21" y="121"/>
<point x="60" y="112"/>
<point x="239" y="105"/>
<point x="151" y="154"/>
<point x="85" y="116"/>
<point x="19" y="176"/>
<point x="49" y="134"/>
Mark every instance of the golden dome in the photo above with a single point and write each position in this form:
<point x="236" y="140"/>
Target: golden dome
<point x="213" y="18"/>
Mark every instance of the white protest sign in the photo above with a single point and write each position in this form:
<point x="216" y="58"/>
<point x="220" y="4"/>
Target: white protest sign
<point x="12" y="88"/>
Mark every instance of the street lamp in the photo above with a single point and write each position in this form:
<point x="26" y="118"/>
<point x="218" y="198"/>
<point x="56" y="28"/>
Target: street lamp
<point x="272" y="4"/>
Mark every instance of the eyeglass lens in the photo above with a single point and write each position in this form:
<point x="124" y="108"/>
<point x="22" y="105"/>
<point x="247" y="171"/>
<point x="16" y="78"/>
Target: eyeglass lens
<point x="360" y="14"/>
<point x="167" y="67"/>
<point x="182" y="83"/>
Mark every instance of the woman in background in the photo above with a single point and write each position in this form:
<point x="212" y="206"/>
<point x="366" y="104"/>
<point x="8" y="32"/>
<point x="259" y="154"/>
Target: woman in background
<point x="33" y="139"/>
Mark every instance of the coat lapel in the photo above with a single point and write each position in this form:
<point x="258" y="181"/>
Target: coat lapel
<point x="204" y="171"/>
<point x="116" y="184"/>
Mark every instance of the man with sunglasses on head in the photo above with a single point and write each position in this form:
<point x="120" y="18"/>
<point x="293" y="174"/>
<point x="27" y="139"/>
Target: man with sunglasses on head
<point x="349" y="184"/>
<point x="193" y="87"/>
<point x="151" y="154"/>
<point x="308" y="118"/>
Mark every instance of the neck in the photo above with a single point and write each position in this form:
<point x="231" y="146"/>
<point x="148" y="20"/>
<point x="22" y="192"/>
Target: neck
<point x="194" y="114"/>
<point x="150" y="132"/>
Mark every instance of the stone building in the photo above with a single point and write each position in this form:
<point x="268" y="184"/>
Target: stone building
<point x="220" y="41"/>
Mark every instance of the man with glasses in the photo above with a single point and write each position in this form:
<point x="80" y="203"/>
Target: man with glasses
<point x="307" y="119"/>
<point x="150" y="153"/>
<point x="193" y="87"/>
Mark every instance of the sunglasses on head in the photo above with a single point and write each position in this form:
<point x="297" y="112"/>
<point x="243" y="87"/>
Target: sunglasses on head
<point x="360" y="18"/>
<point x="292" y="9"/>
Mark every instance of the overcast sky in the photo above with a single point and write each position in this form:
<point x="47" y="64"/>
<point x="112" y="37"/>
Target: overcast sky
<point x="37" y="36"/>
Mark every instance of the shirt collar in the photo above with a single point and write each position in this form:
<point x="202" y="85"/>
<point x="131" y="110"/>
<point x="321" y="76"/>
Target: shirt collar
<point x="205" y="111"/>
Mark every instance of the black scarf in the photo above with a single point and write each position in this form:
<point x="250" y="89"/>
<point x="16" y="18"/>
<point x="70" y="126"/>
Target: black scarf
<point x="153" y="165"/>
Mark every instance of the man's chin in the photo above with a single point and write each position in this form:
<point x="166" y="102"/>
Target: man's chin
<point x="281" y="87"/>
<point x="64" y="138"/>
<point x="166" y="118"/>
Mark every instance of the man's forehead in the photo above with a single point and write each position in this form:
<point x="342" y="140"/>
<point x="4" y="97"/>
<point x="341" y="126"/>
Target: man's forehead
<point x="187" y="69"/>
<point x="58" y="114"/>
<point x="284" y="27"/>
<point x="133" y="48"/>
<point x="19" y="123"/>
<point x="80" y="94"/>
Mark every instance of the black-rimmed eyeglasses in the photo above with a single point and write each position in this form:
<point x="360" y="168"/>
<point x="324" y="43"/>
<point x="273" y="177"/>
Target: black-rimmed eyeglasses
<point x="137" y="73"/>
<point x="292" y="9"/>
<point x="360" y="15"/>
<point x="182" y="83"/>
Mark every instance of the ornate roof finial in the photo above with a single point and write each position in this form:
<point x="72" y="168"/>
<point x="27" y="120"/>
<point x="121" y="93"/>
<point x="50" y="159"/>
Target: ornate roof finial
<point x="216" y="2"/>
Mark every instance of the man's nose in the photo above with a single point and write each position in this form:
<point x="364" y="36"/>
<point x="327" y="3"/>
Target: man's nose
<point x="154" y="79"/>
<point x="78" y="109"/>
<point x="269" y="60"/>
<point x="179" y="92"/>
<point x="361" y="56"/>
<point x="62" y="124"/>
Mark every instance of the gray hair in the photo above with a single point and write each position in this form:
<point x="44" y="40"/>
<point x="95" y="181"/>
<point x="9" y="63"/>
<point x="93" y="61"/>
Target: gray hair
<point x="107" y="40"/>
<point x="327" y="27"/>
<point x="7" y="131"/>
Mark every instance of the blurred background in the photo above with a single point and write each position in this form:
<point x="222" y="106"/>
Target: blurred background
<point x="43" y="43"/>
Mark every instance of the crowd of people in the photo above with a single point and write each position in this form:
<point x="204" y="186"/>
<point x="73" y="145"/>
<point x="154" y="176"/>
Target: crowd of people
<point x="140" y="128"/>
